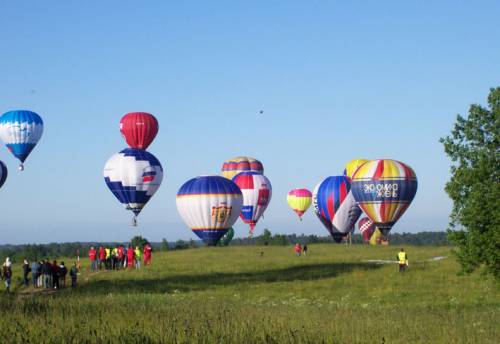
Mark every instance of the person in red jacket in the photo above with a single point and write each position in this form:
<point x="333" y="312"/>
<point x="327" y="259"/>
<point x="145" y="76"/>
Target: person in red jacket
<point x="102" y="256"/>
<point x="147" y="254"/>
<point x="93" y="257"/>
<point x="298" y="249"/>
<point x="121" y="255"/>
<point x="130" y="257"/>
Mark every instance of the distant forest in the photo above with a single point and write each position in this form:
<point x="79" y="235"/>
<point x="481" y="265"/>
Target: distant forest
<point x="72" y="249"/>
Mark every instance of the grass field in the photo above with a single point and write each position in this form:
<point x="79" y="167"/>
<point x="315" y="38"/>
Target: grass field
<point x="233" y="295"/>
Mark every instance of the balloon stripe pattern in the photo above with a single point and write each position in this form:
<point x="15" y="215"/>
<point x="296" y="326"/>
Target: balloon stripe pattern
<point x="352" y="166"/>
<point x="299" y="200"/>
<point x="139" y="129"/>
<point x="209" y="205"/>
<point x="3" y="173"/>
<point x="335" y="206"/>
<point x="257" y="193"/>
<point x="21" y="130"/>
<point x="133" y="176"/>
<point x="366" y="227"/>
<point x="384" y="190"/>
<point x="240" y="164"/>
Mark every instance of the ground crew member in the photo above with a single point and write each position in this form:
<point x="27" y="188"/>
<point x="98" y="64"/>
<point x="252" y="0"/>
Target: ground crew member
<point x="108" y="258"/>
<point x="137" y="257"/>
<point x="403" y="260"/>
<point x="92" y="257"/>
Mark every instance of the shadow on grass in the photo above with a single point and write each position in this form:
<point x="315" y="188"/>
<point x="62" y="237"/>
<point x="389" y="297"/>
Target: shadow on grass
<point x="187" y="283"/>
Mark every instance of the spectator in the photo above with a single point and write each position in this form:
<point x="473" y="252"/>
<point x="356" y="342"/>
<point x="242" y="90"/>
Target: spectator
<point x="147" y="254"/>
<point x="73" y="273"/>
<point x="63" y="271"/>
<point x="55" y="275"/>
<point x="26" y="271"/>
<point x="47" y="274"/>
<point x="7" y="273"/>
<point x="35" y="272"/>
<point x="130" y="257"/>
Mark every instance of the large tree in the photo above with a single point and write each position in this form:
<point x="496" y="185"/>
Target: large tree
<point x="474" y="187"/>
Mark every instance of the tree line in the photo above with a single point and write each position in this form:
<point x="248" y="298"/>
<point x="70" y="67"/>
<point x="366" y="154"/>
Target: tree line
<point x="74" y="249"/>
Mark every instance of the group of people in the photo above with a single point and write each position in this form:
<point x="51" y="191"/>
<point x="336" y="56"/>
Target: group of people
<point x="299" y="249"/>
<point x="44" y="274"/>
<point x="118" y="257"/>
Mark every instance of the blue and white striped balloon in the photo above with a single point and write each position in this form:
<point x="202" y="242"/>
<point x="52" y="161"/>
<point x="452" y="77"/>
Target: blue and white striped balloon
<point x="21" y="130"/>
<point x="209" y="205"/>
<point x="133" y="176"/>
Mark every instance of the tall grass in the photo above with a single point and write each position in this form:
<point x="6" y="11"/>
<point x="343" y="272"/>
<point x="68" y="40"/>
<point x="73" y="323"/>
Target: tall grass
<point x="237" y="295"/>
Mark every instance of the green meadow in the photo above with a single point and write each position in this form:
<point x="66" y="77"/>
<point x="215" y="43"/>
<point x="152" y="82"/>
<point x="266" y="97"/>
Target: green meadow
<point x="238" y="295"/>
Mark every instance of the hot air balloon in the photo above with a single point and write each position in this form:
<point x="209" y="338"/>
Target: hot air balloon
<point x="384" y="189"/>
<point x="352" y="166"/>
<point x="133" y="176"/>
<point x="257" y="192"/>
<point x="335" y="206"/>
<point x="240" y="164"/>
<point x="3" y="173"/>
<point x="21" y="130"/>
<point x="139" y="129"/>
<point x="299" y="200"/>
<point x="366" y="227"/>
<point x="226" y="238"/>
<point x="209" y="205"/>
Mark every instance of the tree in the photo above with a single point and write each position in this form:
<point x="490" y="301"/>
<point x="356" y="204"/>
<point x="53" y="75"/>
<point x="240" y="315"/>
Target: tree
<point x="138" y="241"/>
<point x="264" y="238"/>
<point x="474" y="187"/>
<point x="164" y="245"/>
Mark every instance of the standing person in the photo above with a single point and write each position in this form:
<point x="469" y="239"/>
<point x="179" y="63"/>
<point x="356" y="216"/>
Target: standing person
<point x="47" y="273"/>
<point x="403" y="260"/>
<point x="73" y="273"/>
<point x="102" y="256"/>
<point x="26" y="271"/>
<point x="114" y="258"/>
<point x="305" y="249"/>
<point x="121" y="255"/>
<point x="55" y="275"/>
<point x="35" y="273"/>
<point x="63" y="271"/>
<point x="7" y="274"/>
<point x="298" y="249"/>
<point x="147" y="254"/>
<point x="137" y="256"/>
<point x="93" y="259"/>
<point x="108" y="258"/>
<point x="130" y="257"/>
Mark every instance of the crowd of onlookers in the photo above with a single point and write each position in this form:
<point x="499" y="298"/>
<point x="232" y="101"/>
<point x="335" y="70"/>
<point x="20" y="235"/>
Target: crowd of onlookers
<point x="52" y="275"/>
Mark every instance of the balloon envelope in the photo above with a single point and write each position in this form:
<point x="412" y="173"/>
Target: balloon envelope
<point x="139" y="129"/>
<point x="3" y="173"/>
<point x="257" y="192"/>
<point x="299" y="200"/>
<point x="240" y="164"/>
<point x="21" y="130"/>
<point x="335" y="206"/>
<point x="209" y="205"/>
<point x="366" y="227"/>
<point x="133" y="176"/>
<point x="352" y="167"/>
<point x="384" y="190"/>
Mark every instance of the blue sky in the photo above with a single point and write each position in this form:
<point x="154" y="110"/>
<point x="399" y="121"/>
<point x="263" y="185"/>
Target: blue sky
<point x="337" y="80"/>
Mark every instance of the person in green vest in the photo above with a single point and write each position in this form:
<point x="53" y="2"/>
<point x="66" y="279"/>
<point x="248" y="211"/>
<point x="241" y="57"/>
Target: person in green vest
<point x="108" y="258"/>
<point x="403" y="260"/>
<point x="137" y="253"/>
